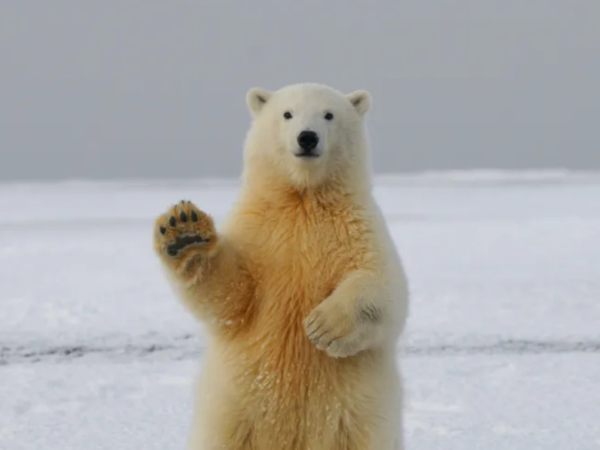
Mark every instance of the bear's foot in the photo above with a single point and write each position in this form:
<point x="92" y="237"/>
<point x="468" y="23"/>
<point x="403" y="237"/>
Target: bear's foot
<point x="183" y="227"/>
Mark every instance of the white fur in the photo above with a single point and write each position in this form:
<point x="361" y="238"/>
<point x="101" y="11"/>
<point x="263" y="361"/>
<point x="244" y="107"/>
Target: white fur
<point x="270" y="159"/>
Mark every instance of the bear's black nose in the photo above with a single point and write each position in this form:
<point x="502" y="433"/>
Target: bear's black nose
<point x="308" y="140"/>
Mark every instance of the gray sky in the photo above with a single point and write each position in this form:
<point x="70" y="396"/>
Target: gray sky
<point x="155" y="88"/>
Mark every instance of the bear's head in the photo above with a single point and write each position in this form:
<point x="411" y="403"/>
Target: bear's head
<point x="306" y="135"/>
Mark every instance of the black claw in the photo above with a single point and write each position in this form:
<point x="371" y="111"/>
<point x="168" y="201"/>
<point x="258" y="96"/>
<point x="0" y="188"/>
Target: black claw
<point x="172" y="221"/>
<point x="162" y="229"/>
<point x="194" y="216"/>
<point x="183" y="216"/>
<point x="183" y="202"/>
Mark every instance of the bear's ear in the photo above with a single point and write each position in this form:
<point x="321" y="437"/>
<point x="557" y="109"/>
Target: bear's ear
<point x="256" y="98"/>
<point x="361" y="100"/>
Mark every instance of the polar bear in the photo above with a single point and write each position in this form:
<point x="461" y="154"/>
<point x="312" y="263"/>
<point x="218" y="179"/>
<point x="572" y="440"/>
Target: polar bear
<point x="301" y="291"/>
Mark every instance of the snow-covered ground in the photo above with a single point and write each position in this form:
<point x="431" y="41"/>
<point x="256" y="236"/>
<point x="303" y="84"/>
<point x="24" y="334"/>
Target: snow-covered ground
<point x="502" y="350"/>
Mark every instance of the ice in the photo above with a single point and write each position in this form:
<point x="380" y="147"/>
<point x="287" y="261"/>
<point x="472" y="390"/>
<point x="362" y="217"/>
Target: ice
<point x="502" y="349"/>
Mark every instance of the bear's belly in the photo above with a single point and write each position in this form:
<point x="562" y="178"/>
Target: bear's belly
<point x="294" y="396"/>
<point x="276" y="390"/>
<point x="278" y="395"/>
<point x="280" y="361"/>
<point x="290" y="388"/>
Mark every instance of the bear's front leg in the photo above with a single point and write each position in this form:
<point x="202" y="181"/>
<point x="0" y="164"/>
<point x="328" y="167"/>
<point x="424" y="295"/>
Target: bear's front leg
<point x="204" y="267"/>
<point x="352" y="318"/>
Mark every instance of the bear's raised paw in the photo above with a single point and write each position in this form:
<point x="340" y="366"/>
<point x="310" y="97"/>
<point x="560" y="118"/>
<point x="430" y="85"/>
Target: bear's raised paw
<point x="183" y="227"/>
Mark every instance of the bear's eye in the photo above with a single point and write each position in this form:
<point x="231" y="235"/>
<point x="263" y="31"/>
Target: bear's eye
<point x="328" y="116"/>
<point x="287" y="115"/>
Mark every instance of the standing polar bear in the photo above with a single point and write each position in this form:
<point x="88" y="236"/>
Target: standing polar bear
<point x="301" y="291"/>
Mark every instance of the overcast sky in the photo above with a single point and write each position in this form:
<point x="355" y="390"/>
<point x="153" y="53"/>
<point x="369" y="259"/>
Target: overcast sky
<point x="155" y="88"/>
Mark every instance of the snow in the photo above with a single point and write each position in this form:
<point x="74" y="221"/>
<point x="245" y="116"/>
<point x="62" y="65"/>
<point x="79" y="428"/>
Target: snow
<point x="502" y="349"/>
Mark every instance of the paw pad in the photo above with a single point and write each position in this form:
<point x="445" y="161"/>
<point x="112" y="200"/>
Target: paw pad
<point x="183" y="226"/>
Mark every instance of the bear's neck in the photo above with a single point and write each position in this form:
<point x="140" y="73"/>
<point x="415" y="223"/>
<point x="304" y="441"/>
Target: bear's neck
<point x="280" y="190"/>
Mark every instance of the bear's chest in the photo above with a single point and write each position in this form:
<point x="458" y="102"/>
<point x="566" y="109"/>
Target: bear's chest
<point x="300" y="253"/>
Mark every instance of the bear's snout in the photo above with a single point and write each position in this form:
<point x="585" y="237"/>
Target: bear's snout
<point x="308" y="141"/>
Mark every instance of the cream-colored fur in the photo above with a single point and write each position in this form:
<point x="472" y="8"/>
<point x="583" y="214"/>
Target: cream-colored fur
<point x="302" y="291"/>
